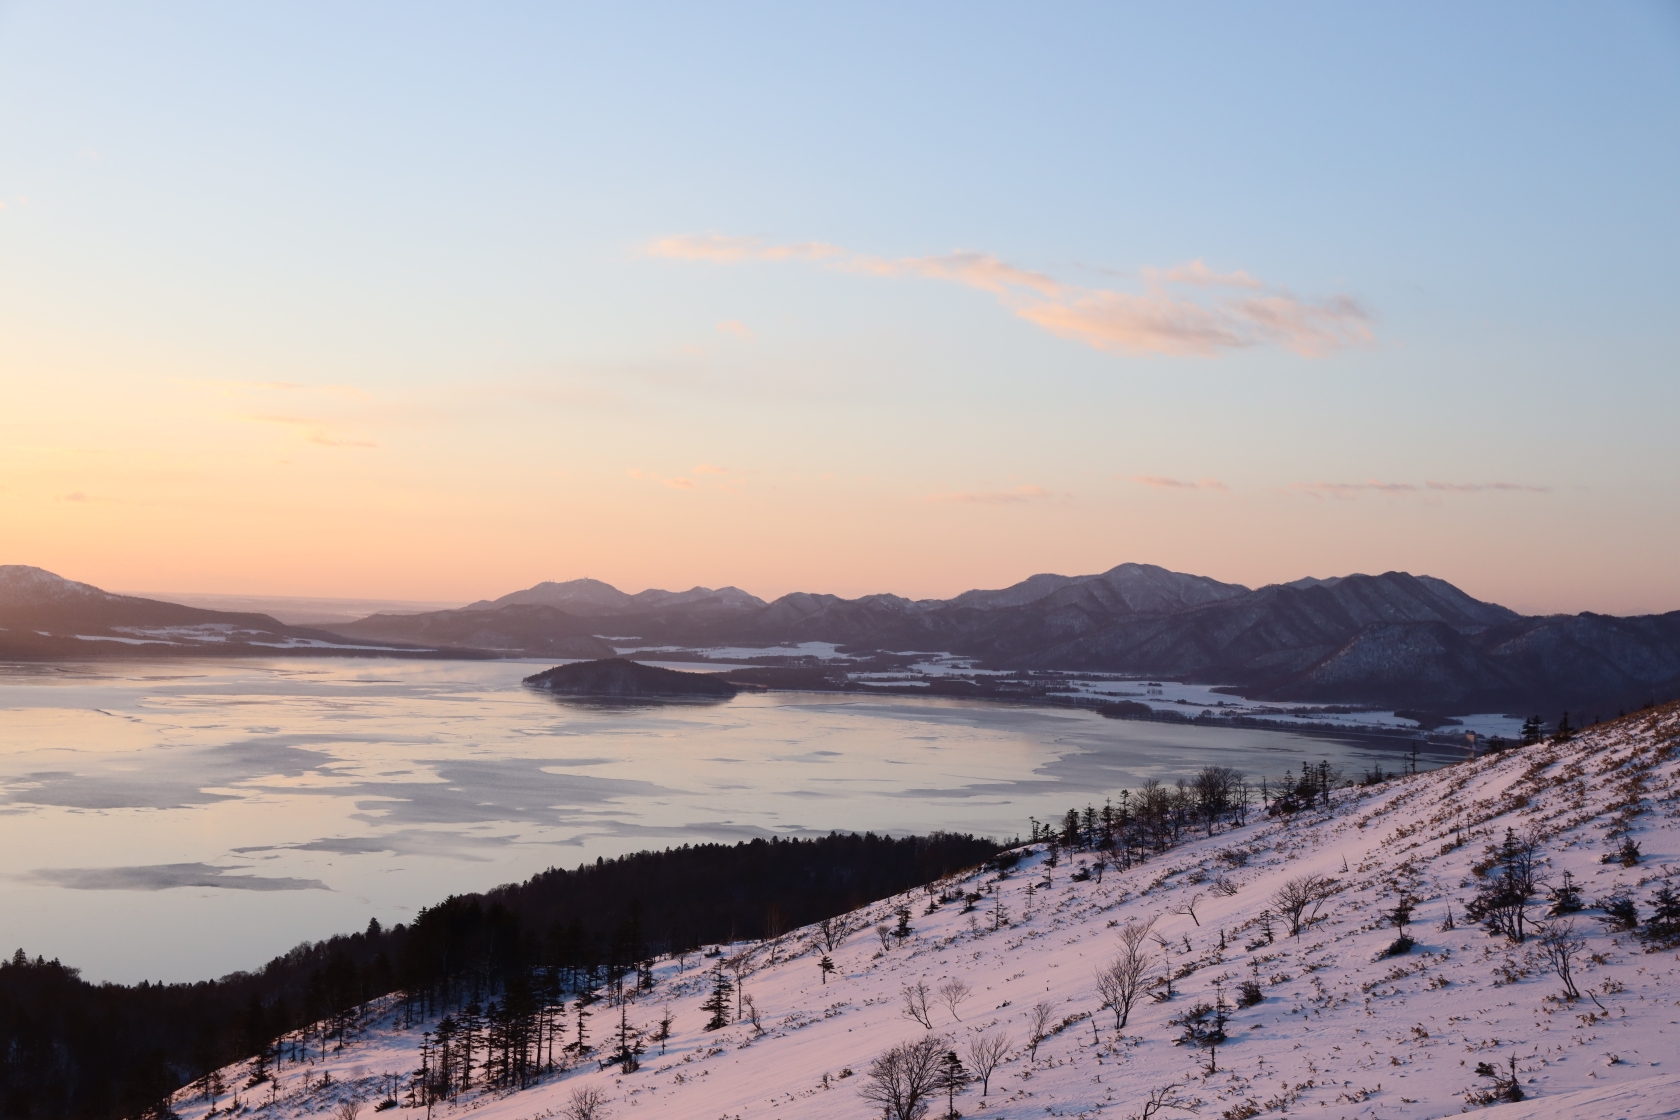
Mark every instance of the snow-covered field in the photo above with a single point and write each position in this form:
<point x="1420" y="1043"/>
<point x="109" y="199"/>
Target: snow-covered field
<point x="1341" y="1031"/>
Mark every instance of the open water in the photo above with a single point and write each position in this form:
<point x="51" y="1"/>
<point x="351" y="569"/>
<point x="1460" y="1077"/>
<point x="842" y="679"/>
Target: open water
<point x="182" y="820"/>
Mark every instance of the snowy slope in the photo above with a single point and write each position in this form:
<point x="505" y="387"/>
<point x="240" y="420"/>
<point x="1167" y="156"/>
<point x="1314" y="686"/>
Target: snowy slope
<point x="1340" y="1032"/>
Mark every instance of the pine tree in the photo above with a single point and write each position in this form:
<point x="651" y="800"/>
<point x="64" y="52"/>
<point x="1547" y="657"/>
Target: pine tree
<point x="825" y="966"/>
<point x="952" y="1078"/>
<point x="718" y="1002"/>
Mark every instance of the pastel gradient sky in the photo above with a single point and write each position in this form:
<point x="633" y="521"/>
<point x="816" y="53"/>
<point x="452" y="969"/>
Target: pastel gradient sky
<point x="436" y="301"/>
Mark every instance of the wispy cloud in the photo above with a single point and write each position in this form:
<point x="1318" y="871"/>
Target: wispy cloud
<point x="318" y="432"/>
<point x="737" y="328"/>
<point x="1189" y="309"/>
<point x="1159" y="482"/>
<point x="1478" y="487"/>
<point x="1019" y="495"/>
<point x="1350" y="490"/>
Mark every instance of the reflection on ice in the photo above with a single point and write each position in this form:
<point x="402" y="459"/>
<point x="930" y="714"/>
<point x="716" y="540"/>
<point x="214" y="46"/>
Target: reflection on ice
<point x="203" y="809"/>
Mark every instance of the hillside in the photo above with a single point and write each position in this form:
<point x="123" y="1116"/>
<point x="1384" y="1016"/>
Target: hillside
<point x="45" y="617"/>
<point x="1339" y="1029"/>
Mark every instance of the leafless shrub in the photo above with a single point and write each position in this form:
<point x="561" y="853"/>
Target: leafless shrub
<point x="1507" y="1084"/>
<point x="348" y="1109"/>
<point x="587" y="1103"/>
<point x="1226" y="887"/>
<point x="750" y="1012"/>
<point x="916" y="1004"/>
<point x="833" y="931"/>
<point x="901" y="1080"/>
<point x="1121" y="981"/>
<point x="1188" y="908"/>
<point x="1559" y="946"/>
<point x="1167" y="1096"/>
<point x="1038" y="1028"/>
<point x="1299" y="900"/>
<point x="952" y="993"/>
<point x="985" y="1051"/>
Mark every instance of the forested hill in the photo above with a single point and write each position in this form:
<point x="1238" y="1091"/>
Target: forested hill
<point x="71" y="1049"/>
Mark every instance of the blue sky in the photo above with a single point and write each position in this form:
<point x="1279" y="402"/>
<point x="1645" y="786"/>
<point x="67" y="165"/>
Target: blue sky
<point x="484" y="297"/>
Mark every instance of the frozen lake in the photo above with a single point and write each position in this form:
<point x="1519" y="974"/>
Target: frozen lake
<point x="180" y="821"/>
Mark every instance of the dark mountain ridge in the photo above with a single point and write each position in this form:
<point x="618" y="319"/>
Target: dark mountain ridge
<point x="1389" y="640"/>
<point x="1393" y="640"/>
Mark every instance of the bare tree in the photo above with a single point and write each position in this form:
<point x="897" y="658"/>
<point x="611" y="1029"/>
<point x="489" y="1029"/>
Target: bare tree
<point x="752" y="1014"/>
<point x="1121" y="981"/>
<point x="1215" y="792"/>
<point x="1300" y="899"/>
<point x="985" y="1052"/>
<point x="1188" y="909"/>
<point x="775" y="931"/>
<point x="885" y="934"/>
<point x="916" y="1004"/>
<point x="1559" y="946"/>
<point x="587" y="1103"/>
<point x="348" y="1109"/>
<point x="901" y="1080"/>
<point x="741" y="965"/>
<point x="1167" y="1096"/>
<point x="1038" y="1028"/>
<point x="833" y="931"/>
<point x="952" y="993"/>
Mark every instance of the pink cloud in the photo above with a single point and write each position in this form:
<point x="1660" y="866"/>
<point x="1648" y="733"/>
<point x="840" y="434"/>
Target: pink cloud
<point x="1479" y="487"/>
<point x="737" y="328"/>
<point x="974" y="270"/>
<point x="1188" y="310"/>
<point x="1349" y="490"/>
<point x="1159" y="482"/>
<point x="1198" y="273"/>
<point x="1017" y="496"/>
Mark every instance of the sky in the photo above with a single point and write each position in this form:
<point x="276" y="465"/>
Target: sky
<point x="437" y="301"/>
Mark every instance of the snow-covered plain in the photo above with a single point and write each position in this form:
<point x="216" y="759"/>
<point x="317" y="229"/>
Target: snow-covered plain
<point x="1341" y="1032"/>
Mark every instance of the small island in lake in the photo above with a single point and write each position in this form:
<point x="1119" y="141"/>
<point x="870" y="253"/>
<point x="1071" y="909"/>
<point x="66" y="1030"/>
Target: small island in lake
<point x="616" y="677"/>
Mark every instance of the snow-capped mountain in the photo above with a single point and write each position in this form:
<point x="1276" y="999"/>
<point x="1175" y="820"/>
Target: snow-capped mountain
<point x="1339" y="1019"/>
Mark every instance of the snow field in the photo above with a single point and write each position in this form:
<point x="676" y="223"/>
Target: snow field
<point x="1342" y="1030"/>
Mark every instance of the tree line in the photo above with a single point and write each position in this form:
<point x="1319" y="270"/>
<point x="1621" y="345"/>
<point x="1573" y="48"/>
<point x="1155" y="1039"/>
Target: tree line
<point x="496" y="964"/>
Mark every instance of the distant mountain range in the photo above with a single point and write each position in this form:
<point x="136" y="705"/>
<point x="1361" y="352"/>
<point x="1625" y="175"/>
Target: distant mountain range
<point x="1393" y="640"/>
<point x="44" y="617"/>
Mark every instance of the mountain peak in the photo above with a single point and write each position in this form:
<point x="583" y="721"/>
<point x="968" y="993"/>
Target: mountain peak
<point x="592" y="596"/>
<point x="25" y="583"/>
